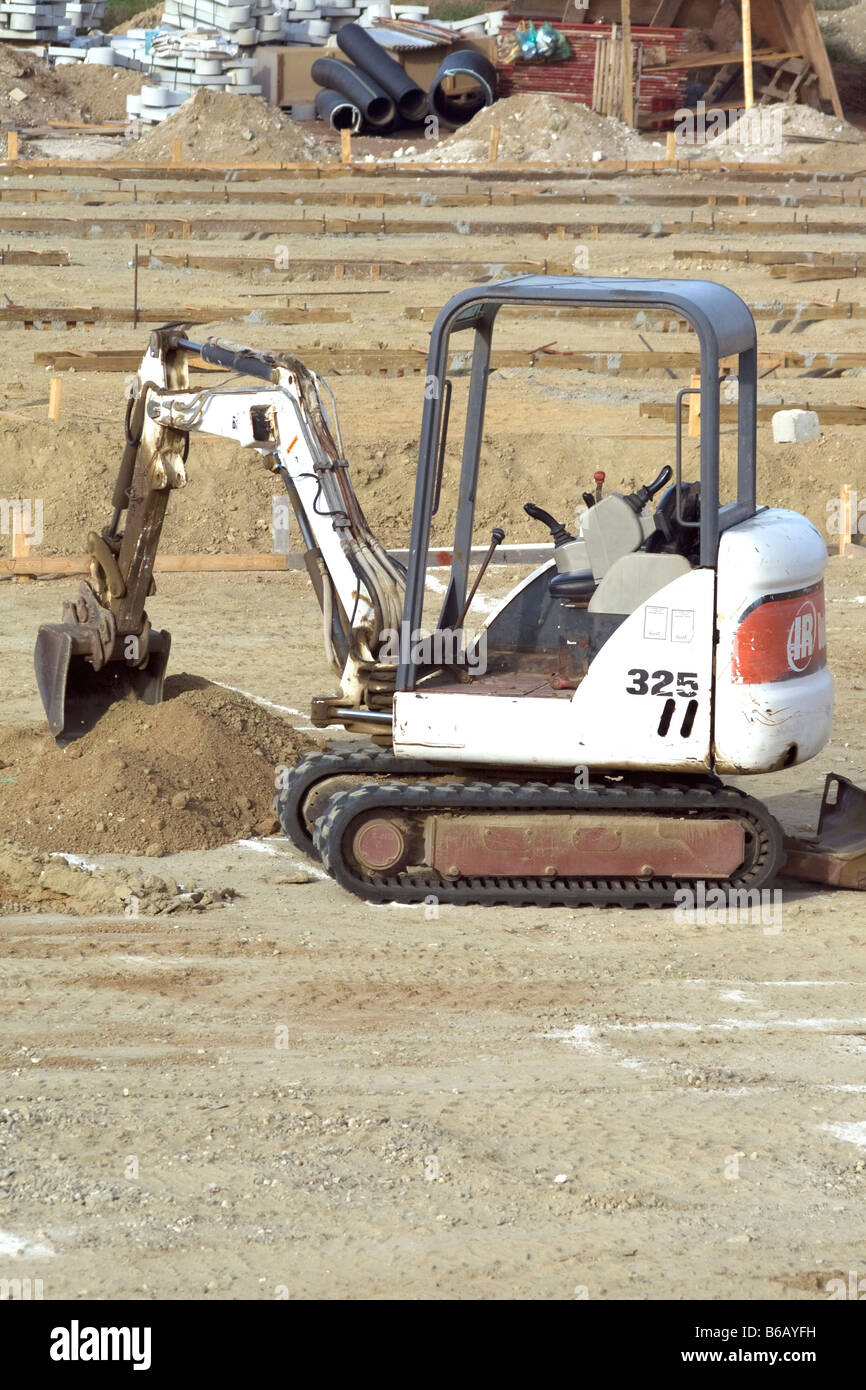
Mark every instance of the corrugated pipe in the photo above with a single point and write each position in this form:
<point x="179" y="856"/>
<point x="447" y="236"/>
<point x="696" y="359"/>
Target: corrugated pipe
<point x="375" y="105"/>
<point x="408" y="97"/>
<point x="338" y="111"/>
<point x="455" y="110"/>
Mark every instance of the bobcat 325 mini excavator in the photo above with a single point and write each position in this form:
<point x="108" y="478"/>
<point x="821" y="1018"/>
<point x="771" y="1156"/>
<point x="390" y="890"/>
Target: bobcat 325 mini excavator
<point x="654" y="651"/>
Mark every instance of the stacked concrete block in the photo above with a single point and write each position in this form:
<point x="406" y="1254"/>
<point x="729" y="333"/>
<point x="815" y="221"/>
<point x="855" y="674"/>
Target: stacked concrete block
<point x="85" y="15"/>
<point x="314" y="21"/>
<point x="246" y="24"/>
<point x="39" y="22"/>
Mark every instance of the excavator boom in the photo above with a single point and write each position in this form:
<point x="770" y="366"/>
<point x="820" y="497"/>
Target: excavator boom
<point x="104" y="648"/>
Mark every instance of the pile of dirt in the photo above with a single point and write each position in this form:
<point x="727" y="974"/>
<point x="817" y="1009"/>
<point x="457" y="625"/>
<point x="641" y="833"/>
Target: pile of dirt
<point x="192" y="773"/>
<point x="97" y="93"/>
<point x="30" y="90"/>
<point x="52" y="883"/>
<point x="537" y="128"/>
<point x="33" y="93"/>
<point x="145" y="19"/>
<point x="780" y="131"/>
<point x="844" y="32"/>
<point x="229" y="129"/>
<point x="225" y="507"/>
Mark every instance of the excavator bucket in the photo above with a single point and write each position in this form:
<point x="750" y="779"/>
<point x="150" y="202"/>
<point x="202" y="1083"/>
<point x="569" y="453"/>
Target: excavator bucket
<point x="837" y="853"/>
<point x="74" y="694"/>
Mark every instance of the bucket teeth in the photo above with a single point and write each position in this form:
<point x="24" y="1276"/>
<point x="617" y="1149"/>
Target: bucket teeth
<point x="77" y="683"/>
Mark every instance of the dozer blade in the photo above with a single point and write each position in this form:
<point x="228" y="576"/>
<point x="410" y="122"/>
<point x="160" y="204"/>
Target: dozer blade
<point x="837" y="853"/>
<point x="75" y="695"/>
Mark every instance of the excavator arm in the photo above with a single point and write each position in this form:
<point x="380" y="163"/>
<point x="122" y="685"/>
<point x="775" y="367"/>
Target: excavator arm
<point x="105" y="648"/>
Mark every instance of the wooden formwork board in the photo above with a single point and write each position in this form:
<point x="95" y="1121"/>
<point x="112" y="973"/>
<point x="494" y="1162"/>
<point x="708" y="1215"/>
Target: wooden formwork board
<point x="500" y="170"/>
<point x="402" y="361"/>
<point x="174" y="228"/>
<point x="10" y="255"/>
<point x="227" y="195"/>
<point x="663" y="320"/>
<point x="89" y="315"/>
<point x="746" y="256"/>
<point x="382" y="268"/>
<point x="828" y="414"/>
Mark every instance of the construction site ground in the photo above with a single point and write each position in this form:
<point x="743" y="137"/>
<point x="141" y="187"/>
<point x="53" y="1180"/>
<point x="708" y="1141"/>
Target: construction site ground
<point x="290" y="1092"/>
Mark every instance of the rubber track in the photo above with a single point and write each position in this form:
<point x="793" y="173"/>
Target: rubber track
<point x="315" y="768"/>
<point x="334" y="828"/>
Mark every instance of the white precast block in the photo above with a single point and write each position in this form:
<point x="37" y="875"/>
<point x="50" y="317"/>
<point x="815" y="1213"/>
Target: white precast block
<point x="162" y="96"/>
<point x="795" y="426"/>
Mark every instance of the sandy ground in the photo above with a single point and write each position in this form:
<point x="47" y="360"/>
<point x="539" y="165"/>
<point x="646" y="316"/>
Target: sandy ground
<point x="300" y="1094"/>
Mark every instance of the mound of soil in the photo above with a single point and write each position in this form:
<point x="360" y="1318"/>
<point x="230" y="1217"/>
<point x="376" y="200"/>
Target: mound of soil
<point x="781" y="131"/>
<point x="99" y="94"/>
<point x="540" y="128"/>
<point x="145" y="19"/>
<point x="49" y="883"/>
<point x="225" y="507"/>
<point x="228" y="129"/>
<point x="194" y="772"/>
<point x="32" y="92"/>
<point x="844" y="32"/>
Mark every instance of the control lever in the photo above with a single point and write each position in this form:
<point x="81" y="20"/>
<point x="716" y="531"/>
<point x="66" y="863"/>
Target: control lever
<point x="598" y="478"/>
<point x="638" y="500"/>
<point x="556" y="528"/>
<point x="497" y="536"/>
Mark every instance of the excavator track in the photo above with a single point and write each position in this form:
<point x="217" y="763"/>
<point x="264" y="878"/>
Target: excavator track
<point x="318" y="775"/>
<point x="405" y="811"/>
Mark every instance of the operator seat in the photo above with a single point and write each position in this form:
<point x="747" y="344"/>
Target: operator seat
<point x="578" y="586"/>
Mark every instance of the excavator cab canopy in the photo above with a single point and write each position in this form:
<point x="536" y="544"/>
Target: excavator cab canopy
<point x="724" y="327"/>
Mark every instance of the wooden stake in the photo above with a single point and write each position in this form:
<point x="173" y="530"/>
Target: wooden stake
<point x="671" y="145"/>
<point x="55" y="388"/>
<point x="494" y="144"/>
<point x="135" y="287"/>
<point x="176" y="151"/>
<point x="20" y="551"/>
<point x="694" y="429"/>
<point x="11" y="146"/>
<point x="748" y="76"/>
<point x="346" y="146"/>
<point x="627" y="62"/>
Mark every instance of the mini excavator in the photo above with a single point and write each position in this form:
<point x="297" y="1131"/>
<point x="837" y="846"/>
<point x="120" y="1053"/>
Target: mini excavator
<point x="668" y="643"/>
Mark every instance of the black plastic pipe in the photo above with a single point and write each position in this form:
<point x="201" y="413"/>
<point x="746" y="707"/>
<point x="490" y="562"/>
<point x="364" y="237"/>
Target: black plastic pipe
<point x="338" y="111"/>
<point x="456" y="110"/>
<point x="408" y="97"/>
<point x="372" y="101"/>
